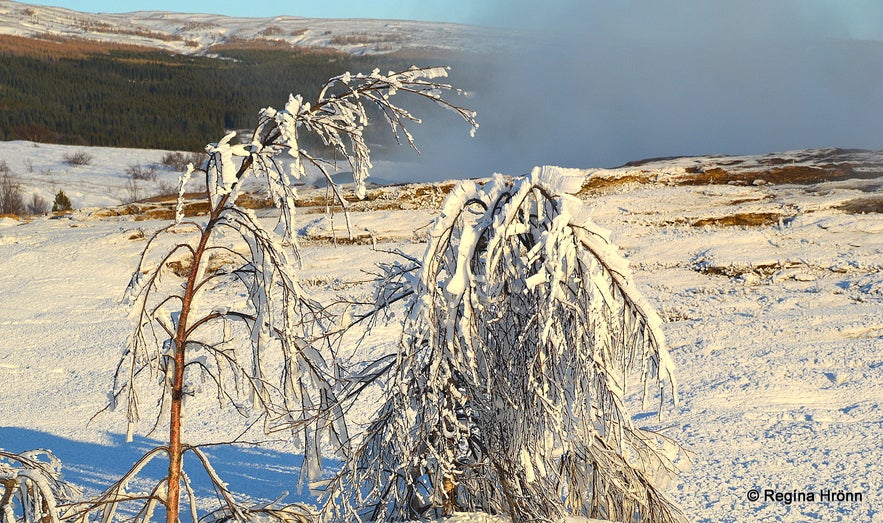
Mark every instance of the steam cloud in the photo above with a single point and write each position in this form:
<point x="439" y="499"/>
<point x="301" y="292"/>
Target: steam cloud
<point x="598" y="83"/>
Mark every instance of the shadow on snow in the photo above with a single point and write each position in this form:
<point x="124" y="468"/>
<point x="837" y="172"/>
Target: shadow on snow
<point x="252" y="473"/>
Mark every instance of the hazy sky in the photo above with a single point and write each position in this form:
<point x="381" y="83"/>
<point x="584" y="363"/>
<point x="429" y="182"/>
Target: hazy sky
<point x="603" y="82"/>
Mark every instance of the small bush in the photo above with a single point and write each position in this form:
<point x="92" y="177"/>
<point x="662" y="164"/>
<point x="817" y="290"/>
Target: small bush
<point x="11" y="201"/>
<point x="165" y="187"/>
<point x="61" y="203"/>
<point x="141" y="172"/>
<point x="37" y="205"/>
<point x="78" y="158"/>
<point x="177" y="161"/>
<point x="133" y="191"/>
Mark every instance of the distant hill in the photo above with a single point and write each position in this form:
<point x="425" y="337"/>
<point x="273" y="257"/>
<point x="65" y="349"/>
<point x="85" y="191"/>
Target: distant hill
<point x="203" y="33"/>
<point x="173" y="81"/>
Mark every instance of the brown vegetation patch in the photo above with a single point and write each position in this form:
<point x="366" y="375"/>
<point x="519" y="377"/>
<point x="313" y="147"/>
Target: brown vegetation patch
<point x="343" y="239"/>
<point x="330" y="200"/>
<point x="216" y="261"/>
<point x="254" y="201"/>
<point x="424" y="196"/>
<point x="870" y="204"/>
<point x="423" y="191"/>
<point x="122" y="210"/>
<point x="595" y="184"/>
<point x="163" y="210"/>
<point x="742" y="219"/>
<point x="53" y="47"/>
<point x="734" y="271"/>
<point x="241" y="44"/>
<point x="160" y="213"/>
<point x="792" y="174"/>
<point x="749" y="199"/>
<point x="713" y="176"/>
<point x="163" y="207"/>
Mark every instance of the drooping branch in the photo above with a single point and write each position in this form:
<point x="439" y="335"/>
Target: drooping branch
<point x="32" y="481"/>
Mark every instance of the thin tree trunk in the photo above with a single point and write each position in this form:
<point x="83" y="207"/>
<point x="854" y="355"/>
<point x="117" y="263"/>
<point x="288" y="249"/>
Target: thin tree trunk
<point x="173" y="498"/>
<point x="176" y="455"/>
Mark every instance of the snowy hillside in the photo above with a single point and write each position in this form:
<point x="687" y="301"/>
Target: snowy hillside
<point x="767" y="269"/>
<point x="196" y="33"/>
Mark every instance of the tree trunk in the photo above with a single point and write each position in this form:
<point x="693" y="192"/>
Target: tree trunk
<point x="176" y="454"/>
<point x="173" y="497"/>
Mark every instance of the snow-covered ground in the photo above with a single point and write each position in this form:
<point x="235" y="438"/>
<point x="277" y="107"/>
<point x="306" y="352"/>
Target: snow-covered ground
<point x="772" y="293"/>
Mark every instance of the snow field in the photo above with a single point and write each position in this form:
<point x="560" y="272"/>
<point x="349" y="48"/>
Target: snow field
<point x="776" y="332"/>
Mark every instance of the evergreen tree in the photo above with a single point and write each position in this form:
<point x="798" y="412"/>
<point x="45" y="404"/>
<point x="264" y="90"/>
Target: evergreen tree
<point x="61" y="202"/>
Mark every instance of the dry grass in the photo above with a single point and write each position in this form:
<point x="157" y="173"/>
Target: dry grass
<point x="254" y="201"/>
<point x="792" y="174"/>
<point x="162" y="207"/>
<point x="321" y="200"/>
<point x="742" y="219"/>
<point x="870" y="204"/>
<point x="764" y="270"/>
<point x="343" y="239"/>
<point x="424" y="196"/>
<point x="596" y="184"/>
<point x="216" y="261"/>
<point x="739" y="219"/>
<point x="750" y="199"/>
<point x="122" y="210"/>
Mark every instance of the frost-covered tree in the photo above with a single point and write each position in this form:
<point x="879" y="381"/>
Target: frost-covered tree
<point x="508" y="394"/>
<point x="217" y="301"/>
<point x="32" y="487"/>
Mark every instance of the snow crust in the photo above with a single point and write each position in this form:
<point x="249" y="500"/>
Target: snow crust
<point x="776" y="333"/>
